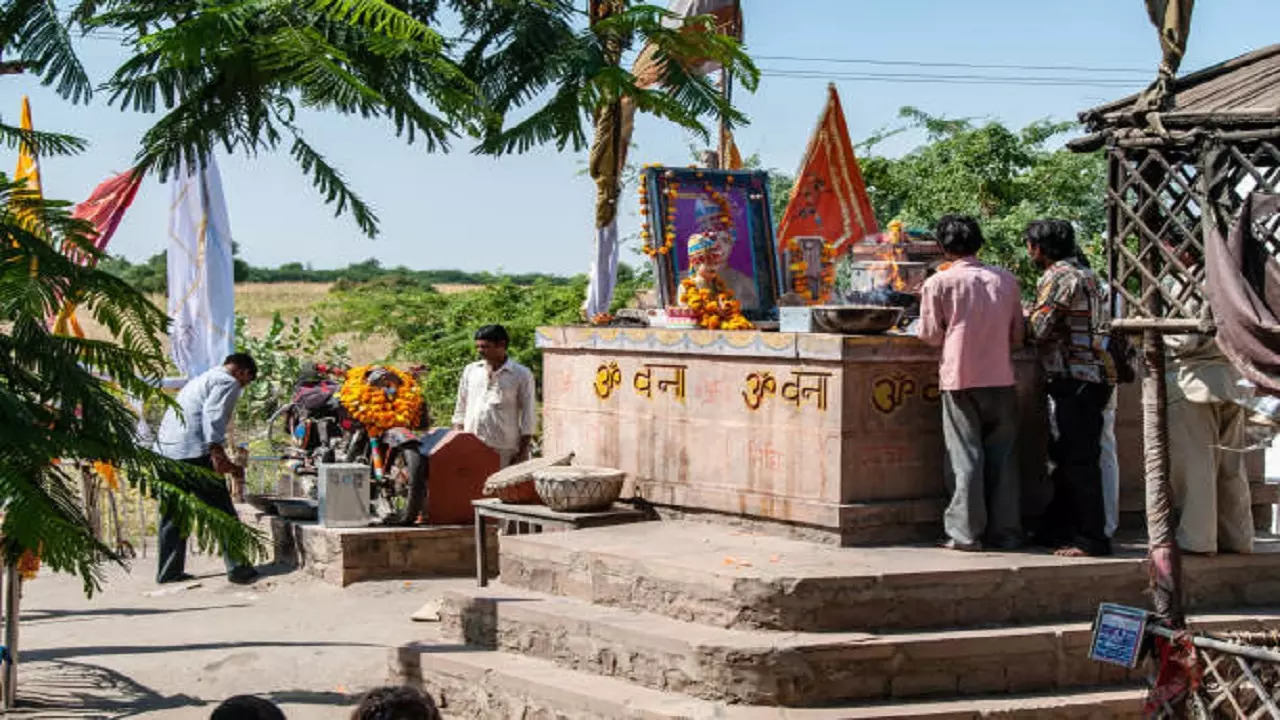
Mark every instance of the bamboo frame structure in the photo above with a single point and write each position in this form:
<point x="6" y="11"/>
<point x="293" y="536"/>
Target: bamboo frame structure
<point x="1175" y="176"/>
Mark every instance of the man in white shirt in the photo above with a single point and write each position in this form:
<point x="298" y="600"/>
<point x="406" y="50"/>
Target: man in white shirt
<point x="496" y="398"/>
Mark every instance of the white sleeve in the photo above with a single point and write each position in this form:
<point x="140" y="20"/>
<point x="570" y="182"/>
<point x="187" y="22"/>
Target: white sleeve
<point x="460" y="407"/>
<point x="528" y="405"/>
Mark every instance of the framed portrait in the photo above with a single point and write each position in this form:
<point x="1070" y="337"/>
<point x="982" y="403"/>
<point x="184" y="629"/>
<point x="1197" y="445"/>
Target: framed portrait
<point x="730" y="207"/>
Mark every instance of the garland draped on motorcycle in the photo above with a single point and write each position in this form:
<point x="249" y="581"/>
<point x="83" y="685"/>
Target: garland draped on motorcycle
<point x="372" y="414"/>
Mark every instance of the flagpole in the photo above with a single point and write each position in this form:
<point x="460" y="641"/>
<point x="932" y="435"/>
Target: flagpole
<point x="726" y="92"/>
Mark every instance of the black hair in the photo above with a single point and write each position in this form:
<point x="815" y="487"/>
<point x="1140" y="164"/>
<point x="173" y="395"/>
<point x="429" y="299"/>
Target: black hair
<point x="493" y="334"/>
<point x="1055" y="238"/>
<point x="247" y="707"/>
<point x="395" y="703"/>
<point x="244" y="361"/>
<point x="959" y="235"/>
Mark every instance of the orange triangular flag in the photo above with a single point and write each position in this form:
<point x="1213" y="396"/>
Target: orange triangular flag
<point x="735" y="156"/>
<point x="829" y="199"/>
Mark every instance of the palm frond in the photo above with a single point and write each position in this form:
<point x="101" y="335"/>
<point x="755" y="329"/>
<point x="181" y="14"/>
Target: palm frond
<point x="320" y="72"/>
<point x="44" y="144"/>
<point x="330" y="182"/>
<point x="40" y="41"/>
<point x="380" y="17"/>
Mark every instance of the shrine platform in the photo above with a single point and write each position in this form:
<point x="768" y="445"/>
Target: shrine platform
<point x="343" y="556"/>
<point x="695" y="620"/>
<point x="830" y="438"/>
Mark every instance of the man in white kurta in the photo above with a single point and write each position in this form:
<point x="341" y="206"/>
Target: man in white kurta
<point x="496" y="398"/>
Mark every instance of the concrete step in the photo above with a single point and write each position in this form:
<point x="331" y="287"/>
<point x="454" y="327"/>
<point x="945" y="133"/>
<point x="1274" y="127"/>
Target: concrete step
<point x="487" y="685"/>
<point x="758" y="667"/>
<point x="723" y="577"/>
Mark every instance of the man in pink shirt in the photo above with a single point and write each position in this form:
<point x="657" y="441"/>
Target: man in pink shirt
<point x="974" y="311"/>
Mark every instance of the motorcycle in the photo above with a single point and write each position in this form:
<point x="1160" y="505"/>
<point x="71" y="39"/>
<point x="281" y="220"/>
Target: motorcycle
<point x="323" y="421"/>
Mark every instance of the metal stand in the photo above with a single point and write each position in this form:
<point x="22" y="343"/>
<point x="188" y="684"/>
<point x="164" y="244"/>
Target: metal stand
<point x="12" y="596"/>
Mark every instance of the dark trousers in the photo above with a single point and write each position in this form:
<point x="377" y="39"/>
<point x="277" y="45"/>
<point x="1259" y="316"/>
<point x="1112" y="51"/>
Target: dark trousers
<point x="980" y="429"/>
<point x="1076" y="516"/>
<point x="173" y="544"/>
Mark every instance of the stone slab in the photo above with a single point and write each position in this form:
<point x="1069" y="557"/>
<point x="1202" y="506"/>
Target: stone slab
<point x="756" y="667"/>
<point x="343" y="556"/>
<point x="487" y="685"/>
<point x="712" y="575"/>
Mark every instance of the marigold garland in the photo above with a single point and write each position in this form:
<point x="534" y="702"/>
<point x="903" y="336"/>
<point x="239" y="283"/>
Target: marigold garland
<point x="672" y="191"/>
<point x="800" y="280"/>
<point x="372" y="407"/>
<point x="107" y="472"/>
<point x="716" y="307"/>
<point x="29" y="565"/>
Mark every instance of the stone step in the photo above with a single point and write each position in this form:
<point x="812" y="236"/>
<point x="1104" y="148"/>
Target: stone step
<point x="724" y="577"/>
<point x="758" y="667"/>
<point x="486" y="685"/>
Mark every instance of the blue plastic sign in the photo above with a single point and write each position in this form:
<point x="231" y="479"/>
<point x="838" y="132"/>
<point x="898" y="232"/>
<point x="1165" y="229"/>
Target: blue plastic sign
<point x="1117" y="635"/>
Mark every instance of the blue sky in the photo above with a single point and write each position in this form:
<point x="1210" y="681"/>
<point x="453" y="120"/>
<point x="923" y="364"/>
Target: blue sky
<point x="534" y="212"/>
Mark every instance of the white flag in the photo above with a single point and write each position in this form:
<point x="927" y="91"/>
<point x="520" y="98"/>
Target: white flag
<point x="201" y="276"/>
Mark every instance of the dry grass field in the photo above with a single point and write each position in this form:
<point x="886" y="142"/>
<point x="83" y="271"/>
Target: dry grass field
<point x="258" y="301"/>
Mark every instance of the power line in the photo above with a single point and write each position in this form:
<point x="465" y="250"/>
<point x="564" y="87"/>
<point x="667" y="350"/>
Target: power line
<point x="971" y="66"/>
<point x="953" y="79"/>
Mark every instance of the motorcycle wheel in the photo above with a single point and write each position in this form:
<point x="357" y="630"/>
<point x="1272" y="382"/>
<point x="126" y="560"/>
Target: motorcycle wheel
<point x="410" y="462"/>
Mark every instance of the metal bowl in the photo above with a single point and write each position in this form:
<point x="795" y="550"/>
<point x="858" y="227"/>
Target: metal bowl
<point x="263" y="503"/>
<point x="298" y="509"/>
<point x="855" y="319"/>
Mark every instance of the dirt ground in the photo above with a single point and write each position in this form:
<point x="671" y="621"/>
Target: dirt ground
<point x="139" y="650"/>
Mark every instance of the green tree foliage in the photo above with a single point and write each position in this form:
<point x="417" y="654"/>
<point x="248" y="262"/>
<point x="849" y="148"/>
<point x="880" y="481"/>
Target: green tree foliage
<point x="1005" y="178"/>
<point x="235" y="74"/>
<point x="280" y="353"/>
<point x="150" y="276"/>
<point x="437" y="329"/>
<point x="58" y="411"/>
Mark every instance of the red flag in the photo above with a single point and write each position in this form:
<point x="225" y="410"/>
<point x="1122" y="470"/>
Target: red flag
<point x="105" y="208"/>
<point x="829" y="199"/>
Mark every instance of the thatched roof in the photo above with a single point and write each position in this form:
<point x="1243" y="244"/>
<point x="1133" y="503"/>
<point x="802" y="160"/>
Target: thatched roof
<point x="1239" y="94"/>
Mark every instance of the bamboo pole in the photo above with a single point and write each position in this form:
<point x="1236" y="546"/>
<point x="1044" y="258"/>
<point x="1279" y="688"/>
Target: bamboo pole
<point x="1162" y="543"/>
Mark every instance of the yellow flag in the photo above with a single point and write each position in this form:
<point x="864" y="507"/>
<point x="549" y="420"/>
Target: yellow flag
<point x="28" y="172"/>
<point x="28" y="164"/>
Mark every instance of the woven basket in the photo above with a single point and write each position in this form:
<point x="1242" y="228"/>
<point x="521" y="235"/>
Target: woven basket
<point x="578" y="488"/>
<point x="515" y="484"/>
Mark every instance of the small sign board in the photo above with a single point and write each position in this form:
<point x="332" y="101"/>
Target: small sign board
<point x="1117" y="635"/>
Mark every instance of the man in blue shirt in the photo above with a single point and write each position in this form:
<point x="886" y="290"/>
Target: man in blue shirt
<point x="197" y="434"/>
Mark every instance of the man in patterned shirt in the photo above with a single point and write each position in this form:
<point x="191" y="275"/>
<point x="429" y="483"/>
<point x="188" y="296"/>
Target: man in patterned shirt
<point x="1066" y="326"/>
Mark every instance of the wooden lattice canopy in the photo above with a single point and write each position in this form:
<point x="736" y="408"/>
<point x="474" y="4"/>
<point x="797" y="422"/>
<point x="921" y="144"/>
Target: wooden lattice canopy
<point x="1173" y="174"/>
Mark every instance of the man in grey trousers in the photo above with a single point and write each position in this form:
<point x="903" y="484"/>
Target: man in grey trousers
<point x="974" y="311"/>
<point x="197" y="434"/>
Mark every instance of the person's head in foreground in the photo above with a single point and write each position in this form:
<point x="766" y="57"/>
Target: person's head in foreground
<point x="395" y="703"/>
<point x="491" y="344"/>
<point x="247" y="707"/>
<point x="959" y="236"/>
<point x="1049" y="241"/>
<point x="242" y="367"/>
